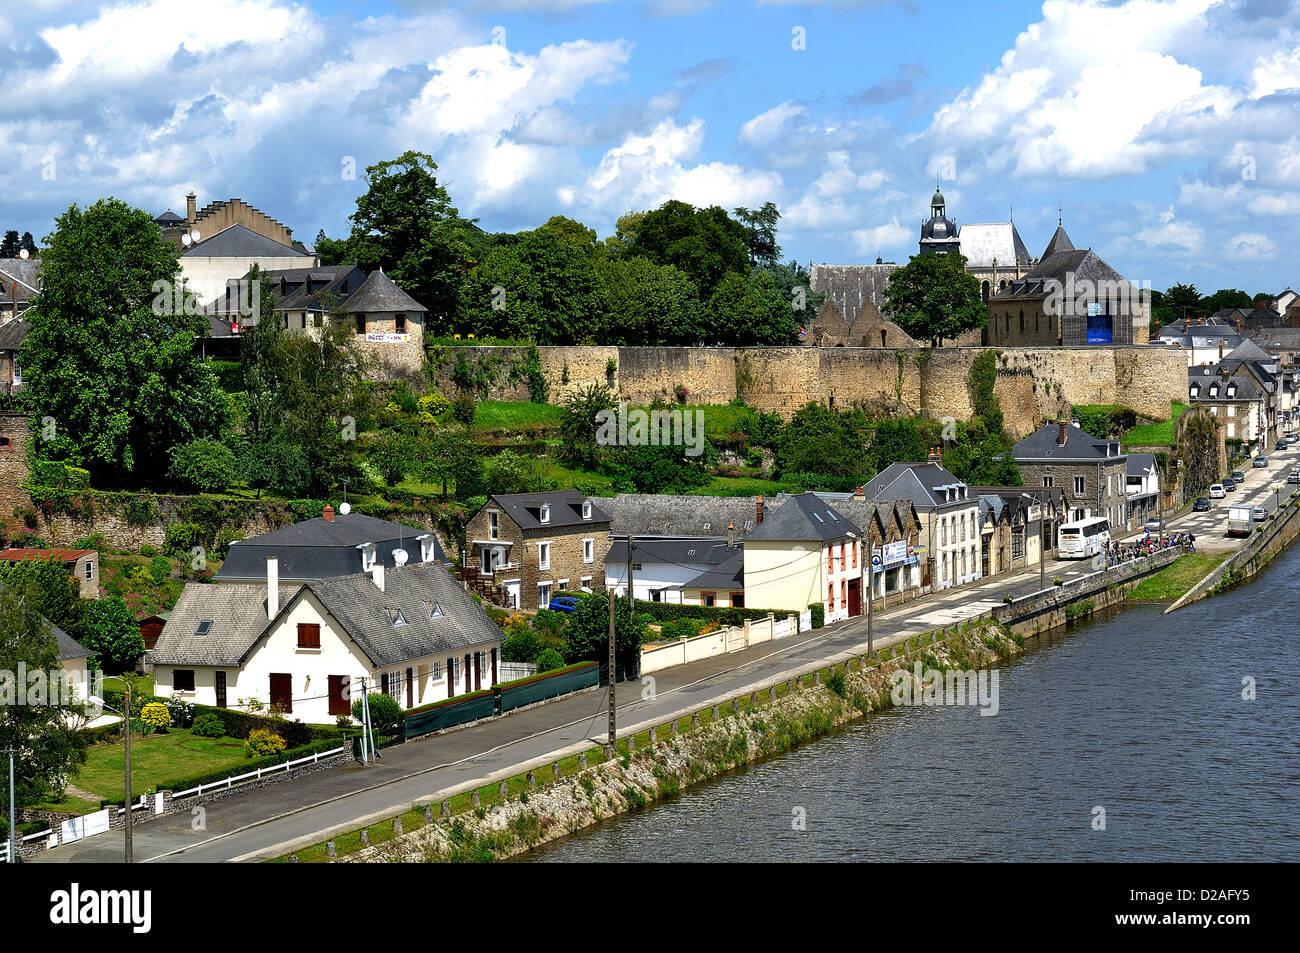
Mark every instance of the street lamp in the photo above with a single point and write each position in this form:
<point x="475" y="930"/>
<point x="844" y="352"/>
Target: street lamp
<point x="126" y="727"/>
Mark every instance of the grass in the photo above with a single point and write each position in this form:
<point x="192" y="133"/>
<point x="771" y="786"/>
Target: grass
<point x="1175" y="579"/>
<point x="516" y="415"/>
<point x="1160" y="434"/>
<point x="143" y="684"/>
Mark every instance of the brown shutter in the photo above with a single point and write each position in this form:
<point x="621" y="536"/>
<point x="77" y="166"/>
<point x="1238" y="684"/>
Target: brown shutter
<point x="282" y="691"/>
<point x="338" y="698"/>
<point x="308" y="635"/>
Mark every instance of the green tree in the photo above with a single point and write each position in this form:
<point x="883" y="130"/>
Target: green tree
<point x="578" y="425"/>
<point x="54" y="594"/>
<point x="749" y="310"/>
<point x="205" y="464"/>
<point x="705" y="244"/>
<point x="663" y="469"/>
<point x="819" y="440"/>
<point x="274" y="464"/>
<point x="28" y="244"/>
<point x="445" y="452"/>
<point x="9" y="245"/>
<point x="108" y="356"/>
<point x="586" y="634"/>
<point x="932" y="298"/>
<point x="1226" y="298"/>
<point x="406" y="224"/>
<point x="510" y="472"/>
<point x="896" y="440"/>
<point x="113" y="634"/>
<point x="647" y="304"/>
<point x="385" y="713"/>
<point x="1184" y="302"/>
<point x="760" y="234"/>
<point x="392" y="457"/>
<point x="46" y="737"/>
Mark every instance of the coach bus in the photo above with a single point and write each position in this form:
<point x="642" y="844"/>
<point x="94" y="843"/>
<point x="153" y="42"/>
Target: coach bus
<point x="1083" y="538"/>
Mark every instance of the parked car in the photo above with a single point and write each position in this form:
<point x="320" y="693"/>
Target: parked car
<point x="1216" y="493"/>
<point x="1293" y="477"/>
<point x="1202" y="504"/>
<point x="563" y="604"/>
<point x="1282" y="443"/>
<point x="1229" y="484"/>
<point x="1260" y="463"/>
<point x="1259" y="514"/>
<point x="1153" y="525"/>
<point x="1238" y="476"/>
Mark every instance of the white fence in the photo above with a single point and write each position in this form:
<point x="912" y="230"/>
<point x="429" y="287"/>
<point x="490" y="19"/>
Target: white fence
<point x="4" y="848"/>
<point x="512" y="670"/>
<point x="718" y="642"/>
<point x="75" y="828"/>
<point x="259" y="773"/>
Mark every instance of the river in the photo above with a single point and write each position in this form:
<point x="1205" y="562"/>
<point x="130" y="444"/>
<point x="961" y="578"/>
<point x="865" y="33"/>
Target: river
<point x="1133" y="712"/>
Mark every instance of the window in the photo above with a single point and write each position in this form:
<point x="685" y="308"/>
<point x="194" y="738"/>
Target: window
<point x="1196" y="391"/>
<point x="708" y="598"/>
<point x="90" y="569"/>
<point x="368" y="557"/>
<point x="435" y="610"/>
<point x="1078" y="486"/>
<point x="842" y="562"/>
<point x="588" y="550"/>
<point x="205" y="626"/>
<point x="396" y="616"/>
<point x="543" y="595"/>
<point x="543" y="555"/>
<point x="586" y="509"/>
<point x="737" y="600"/>
<point x="361" y="324"/>
<point x="182" y="679"/>
<point x="1048" y="482"/>
<point x="308" y="635"/>
<point x="830" y="559"/>
<point x="585" y="583"/>
<point x="855" y="554"/>
<point x="564" y="585"/>
<point x="544" y="514"/>
<point x="394" y="687"/>
<point x="399" y="324"/>
<point x="1232" y="412"/>
<point x="493" y="524"/>
<point x="830" y="597"/>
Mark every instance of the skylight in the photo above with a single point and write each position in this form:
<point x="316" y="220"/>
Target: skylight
<point x="435" y="610"/>
<point x="204" y="627"/>
<point x="397" y="617"/>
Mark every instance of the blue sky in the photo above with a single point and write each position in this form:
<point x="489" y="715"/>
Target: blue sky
<point x="1167" y="129"/>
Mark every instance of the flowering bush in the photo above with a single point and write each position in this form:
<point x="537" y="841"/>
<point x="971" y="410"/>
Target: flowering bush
<point x="433" y="404"/>
<point x="155" y="716"/>
<point x="260" y="743"/>
<point x="182" y="712"/>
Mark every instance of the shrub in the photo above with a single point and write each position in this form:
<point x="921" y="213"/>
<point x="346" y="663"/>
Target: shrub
<point x="435" y="405"/>
<point x="208" y="726"/>
<point x="385" y="713"/>
<point x="204" y="464"/>
<point x="156" y="716"/>
<point x="181" y="538"/>
<point x="182" y="711"/>
<point x="261" y="743"/>
<point x="463" y="409"/>
<point x="549" y="660"/>
<point x="148" y="551"/>
<point x="159" y="569"/>
<point x="818" y="614"/>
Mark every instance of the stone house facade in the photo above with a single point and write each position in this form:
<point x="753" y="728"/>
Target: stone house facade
<point x="525" y="547"/>
<point x="1092" y="474"/>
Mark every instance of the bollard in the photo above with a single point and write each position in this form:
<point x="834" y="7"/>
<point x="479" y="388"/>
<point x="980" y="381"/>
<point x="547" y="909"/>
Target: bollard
<point x="331" y="850"/>
<point x="817" y="678"/>
<point x="735" y="704"/>
<point x="789" y="685"/>
<point x="293" y="858"/>
<point x="397" y="825"/>
<point x="715" y="712"/>
<point x="474" y="798"/>
<point x="695" y="720"/>
<point x="675" y="730"/>
<point x="504" y="790"/>
<point x="428" y="813"/>
<point x="610" y="752"/>
<point x="631" y="745"/>
<point x="771" y="693"/>
<point x="556" y="771"/>
<point x="582" y="761"/>
<point x="532" y="781"/>
<point x="446" y="809"/>
<point x="365" y="838"/>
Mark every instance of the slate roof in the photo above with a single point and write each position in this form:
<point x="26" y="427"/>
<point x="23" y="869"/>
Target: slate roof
<point x="12" y="334"/>
<point x="379" y="293"/>
<point x="1079" y="446"/>
<point x="729" y="573"/>
<point x="566" y="509"/>
<point x="366" y="613"/>
<point x="1140" y="464"/>
<point x="238" y="241"/>
<point x="168" y="218"/>
<point x="25" y="271"/>
<point x="238" y="616"/>
<point x="1082" y="263"/>
<point x="862" y="511"/>
<point x="676" y="550"/>
<point x="1248" y="350"/>
<point x="668" y="515"/>
<point x="922" y="483"/>
<point x="320" y="548"/>
<point x="1207" y="377"/>
<point x="981" y="243"/>
<point x="805" y="517"/>
<point x="851" y="286"/>
<point x="1060" y="242"/>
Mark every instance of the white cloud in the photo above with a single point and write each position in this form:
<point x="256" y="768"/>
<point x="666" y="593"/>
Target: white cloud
<point x="1170" y="233"/>
<point x="1248" y="245"/>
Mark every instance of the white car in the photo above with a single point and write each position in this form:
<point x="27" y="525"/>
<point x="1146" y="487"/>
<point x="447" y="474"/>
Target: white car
<point x="1217" y="492"/>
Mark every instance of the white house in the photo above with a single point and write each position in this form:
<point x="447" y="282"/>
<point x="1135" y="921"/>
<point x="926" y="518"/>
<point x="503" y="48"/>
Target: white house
<point x="948" y="513"/>
<point x="662" y="564"/>
<point x="307" y="650"/>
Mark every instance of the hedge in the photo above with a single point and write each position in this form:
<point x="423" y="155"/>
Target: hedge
<point x="240" y="723"/>
<point x="668" y="611"/>
<point x="501" y="686"/>
<point x="252" y="764"/>
<point x="818" y="613"/>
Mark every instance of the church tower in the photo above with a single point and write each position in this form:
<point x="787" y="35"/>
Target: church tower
<point x="939" y="235"/>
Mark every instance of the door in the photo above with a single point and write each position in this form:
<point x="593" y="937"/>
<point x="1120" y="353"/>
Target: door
<point x="451" y="678"/>
<point x="282" y="691"/>
<point x="494" y="666"/>
<point x="485" y="556"/>
<point x="410" y="689"/>
<point x="338" y="696"/>
<point x="221" y="689"/>
<point x="855" y="597"/>
<point x="467" y="676"/>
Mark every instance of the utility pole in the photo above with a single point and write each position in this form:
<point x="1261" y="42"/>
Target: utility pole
<point x="613" y="730"/>
<point x="126" y="725"/>
<point x="13" y="814"/>
<point x="631" y="593"/>
<point x="365" y="733"/>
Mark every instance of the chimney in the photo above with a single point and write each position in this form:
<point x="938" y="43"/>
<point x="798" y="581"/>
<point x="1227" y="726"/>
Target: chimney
<point x="377" y="574"/>
<point x="191" y="209"/>
<point x="1060" y="433"/>
<point x="1220" y="348"/>
<point x="858" y="494"/>
<point x="328" y="513"/>
<point x="272" y="587"/>
<point x="731" y="534"/>
<point x="758" y="510"/>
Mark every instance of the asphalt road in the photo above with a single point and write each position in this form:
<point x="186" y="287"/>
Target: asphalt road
<point x="292" y="814"/>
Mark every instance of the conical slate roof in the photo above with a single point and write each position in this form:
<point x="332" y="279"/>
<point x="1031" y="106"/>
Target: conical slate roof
<point x="1060" y="242"/>
<point x="379" y="293"/>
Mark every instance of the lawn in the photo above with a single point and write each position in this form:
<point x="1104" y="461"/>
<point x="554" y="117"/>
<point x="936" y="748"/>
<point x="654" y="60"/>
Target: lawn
<point x="1160" y="434"/>
<point x="1175" y="579"/>
<point x="516" y="415"/>
<point x="143" y="684"/>
<point x="154" y="759"/>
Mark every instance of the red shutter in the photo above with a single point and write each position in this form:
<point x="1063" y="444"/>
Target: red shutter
<point x="308" y="635"/>
<point x="338" y="695"/>
<point x="282" y="691"/>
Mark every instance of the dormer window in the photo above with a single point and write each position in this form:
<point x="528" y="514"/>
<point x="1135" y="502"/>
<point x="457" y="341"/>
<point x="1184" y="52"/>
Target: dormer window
<point x="367" y="556"/>
<point x="586" y="509"/>
<point x="397" y="617"/>
<point x="435" y="610"/>
<point x="544" y="514"/>
<point x="1232" y="390"/>
<point x="426" y="548"/>
<point x="1214" y="390"/>
<point x="1196" y="391"/>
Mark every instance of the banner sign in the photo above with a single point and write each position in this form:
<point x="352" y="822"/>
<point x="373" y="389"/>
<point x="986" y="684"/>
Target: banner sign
<point x="375" y="337"/>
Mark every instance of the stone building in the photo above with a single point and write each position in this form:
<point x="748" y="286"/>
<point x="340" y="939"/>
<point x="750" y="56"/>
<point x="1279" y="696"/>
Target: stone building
<point x="994" y="252"/>
<point x="525" y="547"/>
<point x="852" y="314"/>
<point x="1069" y="298"/>
<point x="12" y="334"/>
<point x="209" y="265"/>
<point x="20" y="282"/>
<point x="216" y="217"/>
<point x="1091" y="473"/>
<point x="82" y="565"/>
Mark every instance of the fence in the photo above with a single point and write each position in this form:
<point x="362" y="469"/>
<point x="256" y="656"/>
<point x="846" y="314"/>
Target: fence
<point x="499" y="699"/>
<point x="509" y="671"/>
<point x="257" y="775"/>
<point x="719" y="642"/>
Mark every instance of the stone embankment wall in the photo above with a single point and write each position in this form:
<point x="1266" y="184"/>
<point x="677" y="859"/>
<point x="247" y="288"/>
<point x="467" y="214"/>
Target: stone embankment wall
<point x="1033" y="384"/>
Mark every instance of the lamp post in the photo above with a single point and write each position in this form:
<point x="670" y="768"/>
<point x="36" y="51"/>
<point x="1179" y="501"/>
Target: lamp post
<point x="126" y="728"/>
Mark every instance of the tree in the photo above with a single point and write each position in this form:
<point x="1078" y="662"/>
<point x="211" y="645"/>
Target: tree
<point x="1184" y="302"/>
<point x="331" y="251"/>
<point x="794" y="285"/>
<point x="760" y="234"/>
<point x="444" y="453"/>
<point x="205" y="464"/>
<point x="647" y="304"/>
<point x="1226" y="298"/>
<point x="28" y="244"/>
<point x="406" y="224"/>
<point x="586" y="634"/>
<point x="273" y="464"/>
<point x="747" y="311"/>
<point x="9" y="245"/>
<point x="53" y="593"/>
<point x="44" y="733"/>
<point x="706" y="244"/>
<point x="826" y="442"/>
<point x="108" y="356"/>
<point x="510" y="472"/>
<point x="392" y="456"/>
<point x="578" y="425"/>
<point x="896" y="441"/>
<point x="113" y="634"/>
<point x="932" y="298"/>
<point x="385" y="713"/>
<point x="662" y="469"/>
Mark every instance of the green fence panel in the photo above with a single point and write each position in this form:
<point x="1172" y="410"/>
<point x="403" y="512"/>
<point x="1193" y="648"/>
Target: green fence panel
<point x="448" y="715"/>
<point x="548" y="686"/>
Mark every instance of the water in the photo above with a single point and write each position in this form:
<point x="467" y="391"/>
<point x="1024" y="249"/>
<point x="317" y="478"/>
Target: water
<point x="1134" y="712"/>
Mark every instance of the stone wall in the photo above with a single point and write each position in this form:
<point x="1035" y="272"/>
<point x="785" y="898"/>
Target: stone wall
<point x="1033" y="383"/>
<point x="14" y="433"/>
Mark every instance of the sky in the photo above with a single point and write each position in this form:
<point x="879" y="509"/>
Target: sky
<point x="1166" y="133"/>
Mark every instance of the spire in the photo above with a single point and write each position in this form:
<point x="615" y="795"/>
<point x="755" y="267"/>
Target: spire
<point x="1058" y="215"/>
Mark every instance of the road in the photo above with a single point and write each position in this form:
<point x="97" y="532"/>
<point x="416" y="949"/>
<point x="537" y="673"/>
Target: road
<point x="292" y="814"/>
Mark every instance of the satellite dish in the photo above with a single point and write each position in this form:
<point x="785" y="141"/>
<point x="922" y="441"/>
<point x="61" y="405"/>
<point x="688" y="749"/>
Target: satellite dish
<point x="187" y="241"/>
<point x="24" y="254"/>
<point x="345" y="508"/>
<point x="399" y="557"/>
<point x="195" y="236"/>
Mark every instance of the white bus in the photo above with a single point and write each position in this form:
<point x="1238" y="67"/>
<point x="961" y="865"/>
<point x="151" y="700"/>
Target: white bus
<point x="1084" y="538"/>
